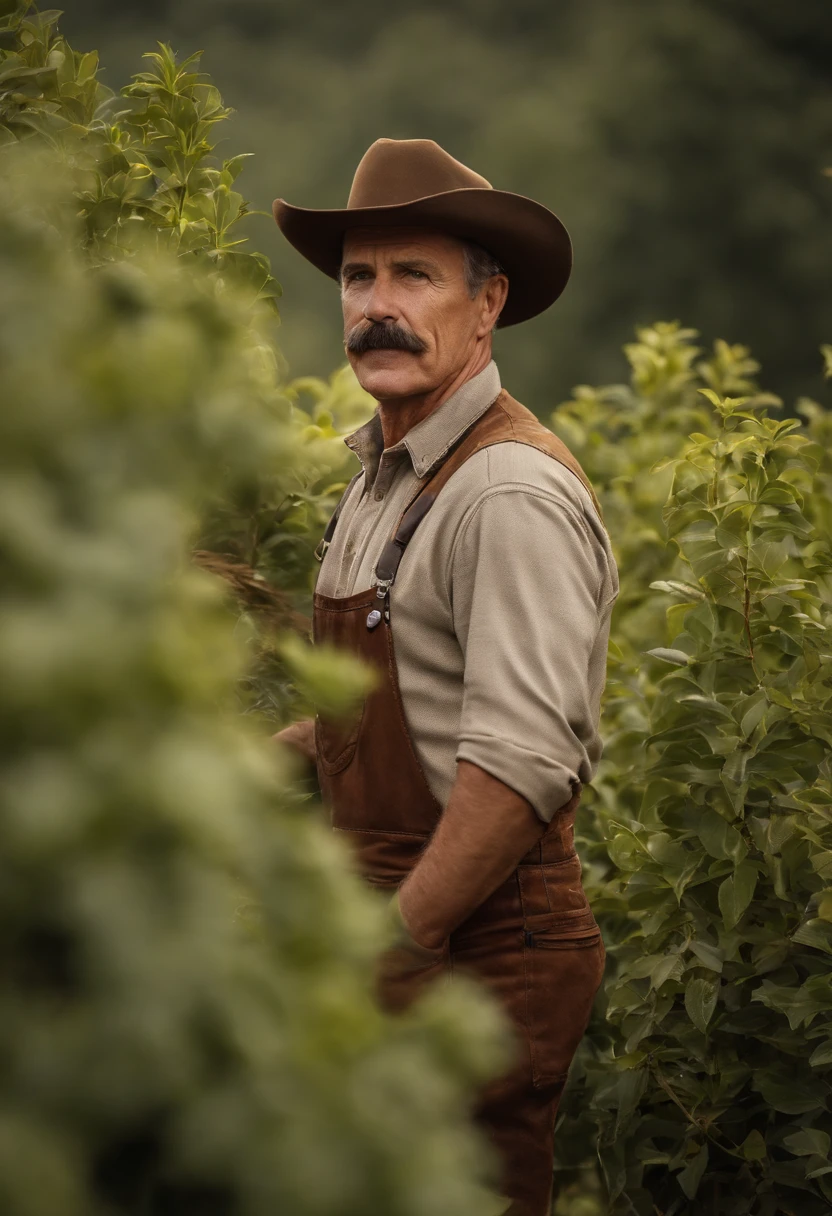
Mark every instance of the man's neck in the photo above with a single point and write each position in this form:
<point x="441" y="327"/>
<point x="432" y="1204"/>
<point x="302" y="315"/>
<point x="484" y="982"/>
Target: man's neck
<point x="399" y="414"/>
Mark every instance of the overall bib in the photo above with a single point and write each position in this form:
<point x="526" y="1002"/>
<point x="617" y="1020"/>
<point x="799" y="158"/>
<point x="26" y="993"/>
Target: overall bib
<point x="534" y="942"/>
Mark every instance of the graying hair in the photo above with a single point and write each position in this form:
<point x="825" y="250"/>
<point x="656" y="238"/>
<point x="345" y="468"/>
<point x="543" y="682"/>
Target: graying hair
<point x="479" y="266"/>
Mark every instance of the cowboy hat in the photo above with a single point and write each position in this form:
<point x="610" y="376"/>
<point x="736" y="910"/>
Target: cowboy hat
<point x="415" y="183"/>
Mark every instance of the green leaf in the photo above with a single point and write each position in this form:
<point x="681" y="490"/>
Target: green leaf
<point x="690" y="1177"/>
<point x="808" y="1142"/>
<point x="235" y="164"/>
<point x="668" y="852"/>
<point x="814" y="933"/>
<point x="720" y="838"/>
<point x="733" y="771"/>
<point x="754" y="1147"/>
<point x="669" y="967"/>
<point x="627" y="1091"/>
<point x="677" y="658"/>
<point x="700" y="1001"/>
<point x="708" y="703"/>
<point x="673" y="587"/>
<point x="790" y="1097"/>
<point x="88" y="66"/>
<point x="735" y="893"/>
<point x="709" y="956"/>
<point x="801" y="1004"/>
<point x="778" y="493"/>
<point x="822" y="1055"/>
<point x="753" y="714"/>
<point x="625" y="851"/>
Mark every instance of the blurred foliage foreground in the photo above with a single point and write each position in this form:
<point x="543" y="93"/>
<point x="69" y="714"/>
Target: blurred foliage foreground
<point x="187" y="1023"/>
<point x="185" y="998"/>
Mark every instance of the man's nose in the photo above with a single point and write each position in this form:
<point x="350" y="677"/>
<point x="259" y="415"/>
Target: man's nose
<point x="379" y="304"/>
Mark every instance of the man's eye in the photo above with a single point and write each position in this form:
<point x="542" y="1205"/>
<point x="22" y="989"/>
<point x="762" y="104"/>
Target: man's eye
<point x="420" y="274"/>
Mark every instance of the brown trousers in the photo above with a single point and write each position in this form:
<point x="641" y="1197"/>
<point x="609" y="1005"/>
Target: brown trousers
<point x="534" y="942"/>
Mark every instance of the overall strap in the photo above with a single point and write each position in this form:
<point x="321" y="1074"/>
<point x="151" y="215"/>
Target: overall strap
<point x="505" y="421"/>
<point x="326" y="540"/>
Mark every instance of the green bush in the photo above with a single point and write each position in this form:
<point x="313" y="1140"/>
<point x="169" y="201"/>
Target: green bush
<point x="186" y="1005"/>
<point x="143" y="170"/>
<point x="621" y="434"/>
<point x="706" y="1076"/>
<point x="186" y="992"/>
<point x="723" y="993"/>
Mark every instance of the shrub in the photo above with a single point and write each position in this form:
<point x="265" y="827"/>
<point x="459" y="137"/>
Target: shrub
<point x="707" y="1071"/>
<point x="186" y="999"/>
<point x="722" y="994"/>
<point x="143" y="169"/>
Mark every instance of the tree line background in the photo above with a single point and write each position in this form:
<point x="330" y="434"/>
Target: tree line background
<point x="682" y="144"/>
<point x="186" y="993"/>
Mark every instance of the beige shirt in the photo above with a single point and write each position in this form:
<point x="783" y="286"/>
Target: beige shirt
<point x="501" y="605"/>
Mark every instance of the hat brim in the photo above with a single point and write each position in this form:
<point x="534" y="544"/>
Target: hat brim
<point x="526" y="238"/>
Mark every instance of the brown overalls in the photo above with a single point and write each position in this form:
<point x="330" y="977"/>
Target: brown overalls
<point x="534" y="941"/>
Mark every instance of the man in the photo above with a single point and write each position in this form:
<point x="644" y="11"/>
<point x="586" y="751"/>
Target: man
<point x="467" y="563"/>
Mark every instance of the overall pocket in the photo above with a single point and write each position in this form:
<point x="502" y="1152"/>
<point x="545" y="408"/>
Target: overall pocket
<point x="336" y="740"/>
<point x="563" y="957"/>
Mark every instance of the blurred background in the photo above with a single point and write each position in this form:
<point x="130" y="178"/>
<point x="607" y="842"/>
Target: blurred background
<point x="684" y="145"/>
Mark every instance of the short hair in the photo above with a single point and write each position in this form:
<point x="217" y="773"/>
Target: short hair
<point x="478" y="267"/>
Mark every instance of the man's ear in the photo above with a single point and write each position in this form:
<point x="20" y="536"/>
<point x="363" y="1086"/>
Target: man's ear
<point x="494" y="296"/>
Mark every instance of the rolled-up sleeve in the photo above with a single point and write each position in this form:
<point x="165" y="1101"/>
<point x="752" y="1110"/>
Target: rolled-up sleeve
<point x="527" y="582"/>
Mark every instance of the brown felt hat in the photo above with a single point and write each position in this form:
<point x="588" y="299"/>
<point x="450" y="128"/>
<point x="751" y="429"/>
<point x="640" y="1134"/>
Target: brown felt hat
<point x="415" y="183"/>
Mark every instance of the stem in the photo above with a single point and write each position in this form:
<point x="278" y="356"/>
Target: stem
<point x="746" y="612"/>
<point x="674" y="1098"/>
<point x="254" y="540"/>
<point x="715" y="1136"/>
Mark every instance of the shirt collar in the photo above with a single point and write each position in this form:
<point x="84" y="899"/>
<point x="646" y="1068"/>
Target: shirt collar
<point x="429" y="440"/>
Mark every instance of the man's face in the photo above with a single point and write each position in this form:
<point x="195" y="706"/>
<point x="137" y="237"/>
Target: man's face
<point x="406" y="288"/>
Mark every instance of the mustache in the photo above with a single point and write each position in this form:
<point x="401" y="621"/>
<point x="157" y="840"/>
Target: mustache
<point x="378" y="336"/>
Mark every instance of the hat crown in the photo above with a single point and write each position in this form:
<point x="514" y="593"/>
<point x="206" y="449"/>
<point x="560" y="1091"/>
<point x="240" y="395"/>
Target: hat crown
<point x="395" y="171"/>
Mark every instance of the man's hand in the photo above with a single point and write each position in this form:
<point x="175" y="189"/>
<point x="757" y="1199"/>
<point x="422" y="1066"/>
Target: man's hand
<point x="485" y="831"/>
<point x="409" y="955"/>
<point x="299" y="737"/>
<point x="405" y="967"/>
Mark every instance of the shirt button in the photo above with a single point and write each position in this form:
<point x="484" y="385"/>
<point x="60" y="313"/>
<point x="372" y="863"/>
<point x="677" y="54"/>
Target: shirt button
<point x="379" y="494"/>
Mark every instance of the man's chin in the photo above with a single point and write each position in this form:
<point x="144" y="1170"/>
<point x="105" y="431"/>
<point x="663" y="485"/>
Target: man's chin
<point x="396" y="375"/>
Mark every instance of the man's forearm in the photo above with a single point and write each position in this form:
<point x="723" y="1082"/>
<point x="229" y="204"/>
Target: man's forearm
<point x="299" y="737"/>
<point x="484" y="832"/>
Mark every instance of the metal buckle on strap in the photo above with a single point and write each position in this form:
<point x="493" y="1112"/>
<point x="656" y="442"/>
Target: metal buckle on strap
<point x="382" y="593"/>
<point x="320" y="549"/>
